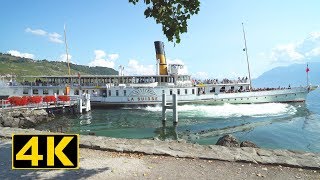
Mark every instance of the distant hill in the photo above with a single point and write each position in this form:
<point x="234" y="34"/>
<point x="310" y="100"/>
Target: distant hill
<point x="23" y="67"/>
<point x="295" y="75"/>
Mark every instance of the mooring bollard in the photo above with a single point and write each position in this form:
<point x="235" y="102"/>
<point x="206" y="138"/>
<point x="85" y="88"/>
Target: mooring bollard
<point x="174" y="107"/>
<point x="88" y="104"/>
<point x="164" y="104"/>
<point x="80" y="105"/>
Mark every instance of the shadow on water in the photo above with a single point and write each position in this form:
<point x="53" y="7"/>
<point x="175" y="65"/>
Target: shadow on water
<point x="6" y="171"/>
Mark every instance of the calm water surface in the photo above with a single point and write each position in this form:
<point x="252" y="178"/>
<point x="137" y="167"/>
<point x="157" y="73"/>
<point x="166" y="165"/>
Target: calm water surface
<point x="293" y="126"/>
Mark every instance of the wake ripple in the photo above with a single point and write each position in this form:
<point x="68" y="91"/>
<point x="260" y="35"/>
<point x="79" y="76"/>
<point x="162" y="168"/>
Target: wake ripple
<point x="231" y="110"/>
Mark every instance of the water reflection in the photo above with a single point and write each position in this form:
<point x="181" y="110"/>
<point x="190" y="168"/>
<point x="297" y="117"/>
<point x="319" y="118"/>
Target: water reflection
<point x="167" y="132"/>
<point x="85" y="119"/>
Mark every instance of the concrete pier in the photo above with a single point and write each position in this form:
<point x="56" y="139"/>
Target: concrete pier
<point x="178" y="149"/>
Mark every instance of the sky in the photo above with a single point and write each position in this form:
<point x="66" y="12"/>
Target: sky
<point x="115" y="32"/>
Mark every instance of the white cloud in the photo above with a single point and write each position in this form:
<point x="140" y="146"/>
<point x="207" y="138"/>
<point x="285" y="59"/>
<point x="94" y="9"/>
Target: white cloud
<point x="113" y="56"/>
<point x="286" y="52"/>
<point x="53" y="37"/>
<point x="135" y="68"/>
<point x="19" y="54"/>
<point x="63" y="58"/>
<point x="104" y="60"/>
<point x="39" y="32"/>
<point x="314" y="35"/>
<point x="102" y="63"/>
<point x="314" y="52"/>
<point x="200" y="75"/>
<point x="179" y="61"/>
<point x="299" y="51"/>
<point x="100" y="54"/>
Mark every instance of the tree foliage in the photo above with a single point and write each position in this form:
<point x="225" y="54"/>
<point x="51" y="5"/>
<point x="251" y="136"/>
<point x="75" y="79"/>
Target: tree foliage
<point x="172" y="14"/>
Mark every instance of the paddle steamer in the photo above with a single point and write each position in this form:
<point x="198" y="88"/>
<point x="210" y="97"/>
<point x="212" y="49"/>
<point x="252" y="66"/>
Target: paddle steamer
<point x="123" y="90"/>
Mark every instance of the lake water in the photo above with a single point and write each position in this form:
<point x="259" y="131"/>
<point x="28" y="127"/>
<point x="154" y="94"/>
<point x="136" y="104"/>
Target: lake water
<point x="294" y="126"/>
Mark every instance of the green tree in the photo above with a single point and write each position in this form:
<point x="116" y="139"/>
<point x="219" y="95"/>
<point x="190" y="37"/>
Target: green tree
<point x="172" y="14"/>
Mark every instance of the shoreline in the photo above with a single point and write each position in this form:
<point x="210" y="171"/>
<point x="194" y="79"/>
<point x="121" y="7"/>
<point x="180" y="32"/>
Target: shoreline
<point x="179" y="149"/>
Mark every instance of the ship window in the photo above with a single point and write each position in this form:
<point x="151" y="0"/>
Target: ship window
<point x="276" y="96"/>
<point x="35" y="91"/>
<point x="295" y="94"/>
<point x="45" y="91"/>
<point x="193" y="91"/>
<point x="178" y="91"/>
<point x="222" y="89"/>
<point x="286" y="95"/>
<point x="265" y="97"/>
<point x="170" y="91"/>
<point x="213" y="89"/>
<point x="235" y="99"/>
<point x="241" y="98"/>
<point x="109" y="92"/>
<point x="232" y="88"/>
<point x="228" y="99"/>
<point x="25" y="91"/>
<point x="186" y="91"/>
<point x="256" y="98"/>
<point x="247" y="98"/>
<point x="124" y="92"/>
<point x="117" y="92"/>
<point x="221" y="99"/>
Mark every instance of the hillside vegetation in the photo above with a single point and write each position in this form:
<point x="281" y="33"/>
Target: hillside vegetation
<point x="28" y="67"/>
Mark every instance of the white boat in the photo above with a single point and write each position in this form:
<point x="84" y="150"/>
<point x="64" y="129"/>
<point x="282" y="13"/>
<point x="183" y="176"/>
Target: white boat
<point x="122" y="90"/>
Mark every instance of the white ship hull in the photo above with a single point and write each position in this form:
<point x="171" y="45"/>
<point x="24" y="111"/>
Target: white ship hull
<point x="128" y="96"/>
<point x="285" y="95"/>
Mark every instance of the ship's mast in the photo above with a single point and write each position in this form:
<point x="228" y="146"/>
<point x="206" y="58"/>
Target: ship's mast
<point x="246" y="50"/>
<point x="307" y="70"/>
<point x="65" y="41"/>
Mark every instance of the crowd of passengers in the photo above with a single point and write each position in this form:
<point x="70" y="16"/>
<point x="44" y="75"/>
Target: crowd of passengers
<point x="256" y="89"/>
<point x="223" y="81"/>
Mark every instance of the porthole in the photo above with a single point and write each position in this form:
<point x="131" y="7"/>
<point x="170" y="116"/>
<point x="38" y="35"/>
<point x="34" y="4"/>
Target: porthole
<point x="235" y="99"/>
<point x="265" y="97"/>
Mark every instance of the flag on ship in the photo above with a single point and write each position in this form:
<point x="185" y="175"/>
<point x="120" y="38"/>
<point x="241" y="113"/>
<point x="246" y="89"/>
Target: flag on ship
<point x="307" y="70"/>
